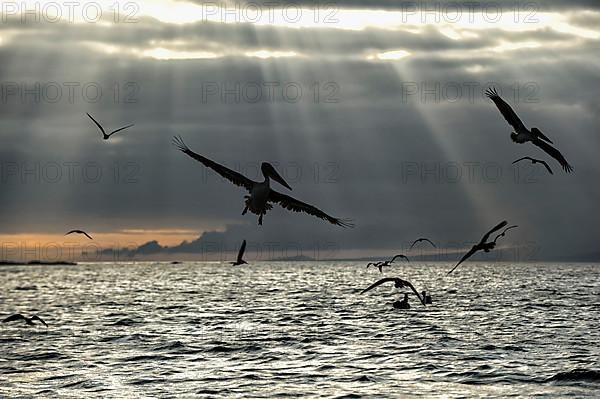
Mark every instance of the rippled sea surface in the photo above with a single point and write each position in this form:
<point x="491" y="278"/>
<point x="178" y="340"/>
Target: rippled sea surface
<point x="300" y="330"/>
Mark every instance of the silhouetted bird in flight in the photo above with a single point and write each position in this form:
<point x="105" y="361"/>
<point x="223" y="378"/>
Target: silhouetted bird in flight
<point x="261" y="193"/>
<point x="422" y="239"/>
<point x="504" y="232"/>
<point x="399" y="256"/>
<point x="28" y="320"/>
<point x="379" y="265"/>
<point x="523" y="135"/>
<point x="239" y="260"/>
<point x="398" y="283"/>
<point x="534" y="161"/>
<point x="104" y="135"/>
<point x="482" y="245"/>
<point x="79" y="232"/>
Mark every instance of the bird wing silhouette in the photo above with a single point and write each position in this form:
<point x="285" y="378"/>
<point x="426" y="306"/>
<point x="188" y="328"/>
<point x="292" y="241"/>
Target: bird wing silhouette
<point x="554" y="153"/>
<point x="292" y="204"/>
<point x="505" y="109"/>
<point x="35" y="317"/>
<point x="487" y="235"/>
<point x="121" y="128"/>
<point x="14" y="317"/>
<point x="236" y="178"/>
<point x="378" y="283"/>
<point x="464" y="258"/>
<point x="97" y="124"/>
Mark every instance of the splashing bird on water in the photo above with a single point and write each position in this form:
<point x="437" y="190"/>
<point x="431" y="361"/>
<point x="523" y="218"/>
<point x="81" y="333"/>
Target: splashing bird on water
<point x="79" y="232"/>
<point x="28" y="320"/>
<point x="422" y="239"/>
<point x="398" y="283"/>
<point x="481" y="245"/>
<point x="534" y="161"/>
<point x="106" y="136"/>
<point x="240" y="260"/>
<point x="261" y="194"/>
<point x="523" y="135"/>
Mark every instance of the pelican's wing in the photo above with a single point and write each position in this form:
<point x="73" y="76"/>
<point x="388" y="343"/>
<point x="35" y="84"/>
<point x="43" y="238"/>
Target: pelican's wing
<point x="87" y="235"/>
<point x="505" y="109"/>
<point x="487" y="235"/>
<point x="236" y="178"/>
<point x="71" y="232"/>
<point x="464" y="258"/>
<point x="35" y="317"/>
<point x="14" y="317"/>
<point x="97" y="124"/>
<point x="121" y="128"/>
<point x="241" y="252"/>
<point x="378" y="283"/>
<point x="295" y="205"/>
<point x="409" y="285"/>
<point x="554" y="153"/>
<point x="541" y="135"/>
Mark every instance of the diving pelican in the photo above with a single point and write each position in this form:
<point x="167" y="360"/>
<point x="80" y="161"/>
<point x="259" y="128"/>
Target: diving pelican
<point x="482" y="245"/>
<point x="28" y="320"/>
<point x="79" y="232"/>
<point x="422" y="239"/>
<point x="261" y="193"/>
<point x="504" y="232"/>
<point x="398" y="283"/>
<point x="239" y="260"/>
<point x="522" y="135"/>
<point x="104" y="135"/>
<point x="534" y="161"/>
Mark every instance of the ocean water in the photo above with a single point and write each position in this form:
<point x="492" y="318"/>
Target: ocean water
<point x="300" y="330"/>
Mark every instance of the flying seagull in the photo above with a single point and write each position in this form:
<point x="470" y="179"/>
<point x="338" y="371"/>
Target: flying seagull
<point x="261" y="193"/>
<point x="534" y="161"/>
<point x="482" y="245"/>
<point x="523" y="135"/>
<point x="79" y="232"/>
<point x="504" y="232"/>
<point x="28" y="320"/>
<point x="422" y="239"/>
<point x="239" y="260"/>
<point x="104" y="135"/>
<point x="398" y="283"/>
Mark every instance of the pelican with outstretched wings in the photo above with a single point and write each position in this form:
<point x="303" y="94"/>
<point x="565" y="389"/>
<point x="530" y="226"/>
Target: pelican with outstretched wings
<point x="398" y="283"/>
<point x="261" y="194"/>
<point x="534" y="161"/>
<point x="481" y="245"/>
<point x="240" y="260"/>
<point x="79" y="232"/>
<point x="522" y="134"/>
<point x="28" y="320"/>
<point x="379" y="265"/>
<point x="106" y="136"/>
<point x="421" y="239"/>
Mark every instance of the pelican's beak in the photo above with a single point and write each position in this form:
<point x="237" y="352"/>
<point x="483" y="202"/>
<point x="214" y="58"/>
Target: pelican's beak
<point x="270" y="171"/>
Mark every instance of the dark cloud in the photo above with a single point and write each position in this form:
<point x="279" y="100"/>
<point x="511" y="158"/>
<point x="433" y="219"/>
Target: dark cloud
<point x="377" y="155"/>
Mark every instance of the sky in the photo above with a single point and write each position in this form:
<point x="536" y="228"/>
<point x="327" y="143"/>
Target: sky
<point x="371" y="111"/>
